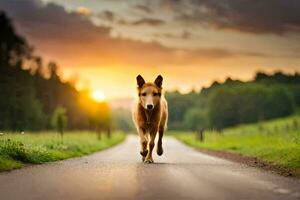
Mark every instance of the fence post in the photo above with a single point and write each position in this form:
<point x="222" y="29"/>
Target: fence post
<point x="109" y="133"/>
<point x="200" y="135"/>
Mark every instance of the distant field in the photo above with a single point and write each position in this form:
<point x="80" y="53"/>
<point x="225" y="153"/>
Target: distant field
<point x="18" y="149"/>
<point x="276" y="141"/>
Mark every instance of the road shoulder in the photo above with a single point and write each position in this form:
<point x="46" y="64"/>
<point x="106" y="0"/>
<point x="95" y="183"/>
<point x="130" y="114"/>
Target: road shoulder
<point x="249" y="161"/>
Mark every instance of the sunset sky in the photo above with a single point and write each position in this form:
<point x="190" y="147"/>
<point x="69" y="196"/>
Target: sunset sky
<point x="106" y="43"/>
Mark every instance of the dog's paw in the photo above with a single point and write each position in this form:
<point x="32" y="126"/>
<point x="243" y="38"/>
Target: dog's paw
<point x="148" y="161"/>
<point x="144" y="153"/>
<point x="160" y="150"/>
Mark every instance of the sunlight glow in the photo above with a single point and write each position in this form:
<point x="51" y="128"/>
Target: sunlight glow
<point x="98" y="96"/>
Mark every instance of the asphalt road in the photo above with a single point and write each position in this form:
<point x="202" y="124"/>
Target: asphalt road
<point x="118" y="173"/>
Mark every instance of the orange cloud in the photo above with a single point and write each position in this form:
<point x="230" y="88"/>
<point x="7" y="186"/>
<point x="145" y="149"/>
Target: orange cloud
<point x="83" y="11"/>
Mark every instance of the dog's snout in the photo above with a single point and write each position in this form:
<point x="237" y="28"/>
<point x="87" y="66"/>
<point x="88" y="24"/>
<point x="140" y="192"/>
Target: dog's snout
<point x="149" y="107"/>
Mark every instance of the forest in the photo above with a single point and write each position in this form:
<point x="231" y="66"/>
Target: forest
<point x="233" y="102"/>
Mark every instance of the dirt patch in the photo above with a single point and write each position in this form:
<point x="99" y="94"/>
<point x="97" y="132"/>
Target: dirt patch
<point x="253" y="162"/>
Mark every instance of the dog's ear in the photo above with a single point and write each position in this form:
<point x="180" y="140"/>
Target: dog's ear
<point x="140" y="81"/>
<point x="158" y="81"/>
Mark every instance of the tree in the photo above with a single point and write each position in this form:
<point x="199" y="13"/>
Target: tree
<point x="19" y="107"/>
<point x="14" y="48"/>
<point x="195" y="119"/>
<point x="178" y="105"/>
<point x="248" y="103"/>
<point x="59" y="120"/>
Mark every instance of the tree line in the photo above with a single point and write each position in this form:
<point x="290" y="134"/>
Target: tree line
<point x="32" y="92"/>
<point x="234" y="102"/>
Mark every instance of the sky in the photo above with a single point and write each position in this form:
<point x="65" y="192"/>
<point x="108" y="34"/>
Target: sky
<point x="105" y="44"/>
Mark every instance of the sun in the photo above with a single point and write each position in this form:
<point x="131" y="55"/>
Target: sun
<point x="98" y="96"/>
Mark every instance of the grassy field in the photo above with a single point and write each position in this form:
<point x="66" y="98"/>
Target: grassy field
<point x="18" y="149"/>
<point x="276" y="141"/>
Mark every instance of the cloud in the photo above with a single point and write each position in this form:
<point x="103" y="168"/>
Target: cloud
<point x="258" y="17"/>
<point x="143" y="21"/>
<point x="107" y="15"/>
<point x="83" y="11"/>
<point x="73" y="40"/>
<point x="143" y="8"/>
<point x="185" y="35"/>
<point x="247" y="16"/>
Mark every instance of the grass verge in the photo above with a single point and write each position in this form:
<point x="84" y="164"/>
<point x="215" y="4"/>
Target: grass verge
<point x="17" y="150"/>
<point x="276" y="141"/>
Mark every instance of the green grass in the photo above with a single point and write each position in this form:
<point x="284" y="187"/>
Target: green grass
<point x="17" y="150"/>
<point x="276" y="141"/>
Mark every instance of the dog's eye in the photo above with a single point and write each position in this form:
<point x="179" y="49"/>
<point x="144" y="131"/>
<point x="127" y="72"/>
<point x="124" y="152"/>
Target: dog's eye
<point x="144" y="94"/>
<point x="156" y="94"/>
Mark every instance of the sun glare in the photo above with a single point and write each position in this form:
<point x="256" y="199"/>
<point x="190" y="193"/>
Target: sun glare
<point x="98" y="96"/>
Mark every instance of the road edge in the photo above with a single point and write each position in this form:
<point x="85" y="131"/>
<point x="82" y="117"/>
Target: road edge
<point x="249" y="161"/>
<point x="26" y="165"/>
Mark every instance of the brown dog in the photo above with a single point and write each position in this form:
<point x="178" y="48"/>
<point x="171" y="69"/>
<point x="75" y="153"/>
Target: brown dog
<point x="150" y="116"/>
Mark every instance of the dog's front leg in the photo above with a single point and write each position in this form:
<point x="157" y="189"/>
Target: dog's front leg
<point x="151" y="144"/>
<point x="143" y="142"/>
<point x="159" y="142"/>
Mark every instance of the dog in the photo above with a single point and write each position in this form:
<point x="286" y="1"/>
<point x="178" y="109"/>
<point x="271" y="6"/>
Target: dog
<point x="150" y="115"/>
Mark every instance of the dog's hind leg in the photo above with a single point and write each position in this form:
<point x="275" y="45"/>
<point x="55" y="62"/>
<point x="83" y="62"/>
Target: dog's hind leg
<point x="159" y="149"/>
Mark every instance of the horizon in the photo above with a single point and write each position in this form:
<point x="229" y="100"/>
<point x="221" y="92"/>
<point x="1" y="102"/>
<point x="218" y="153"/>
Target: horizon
<point x="193" y="89"/>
